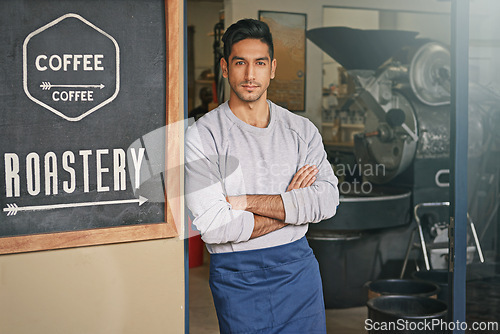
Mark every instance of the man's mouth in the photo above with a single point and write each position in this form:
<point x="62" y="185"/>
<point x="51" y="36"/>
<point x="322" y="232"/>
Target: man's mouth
<point x="250" y="86"/>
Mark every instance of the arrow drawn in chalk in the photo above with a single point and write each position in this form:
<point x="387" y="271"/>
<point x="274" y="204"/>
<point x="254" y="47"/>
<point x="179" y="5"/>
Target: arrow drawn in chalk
<point x="46" y="85"/>
<point x="13" y="209"/>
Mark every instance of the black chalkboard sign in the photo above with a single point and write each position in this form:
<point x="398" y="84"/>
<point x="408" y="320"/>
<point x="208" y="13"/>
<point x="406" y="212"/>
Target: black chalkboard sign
<point x="83" y="99"/>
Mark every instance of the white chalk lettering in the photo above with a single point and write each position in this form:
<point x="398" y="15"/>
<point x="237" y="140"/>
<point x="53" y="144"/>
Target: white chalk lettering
<point x="33" y="173"/>
<point x="54" y="173"/>
<point x="98" y="62"/>
<point x="137" y="159"/>
<point x="75" y="62"/>
<point x="85" y="156"/>
<point x="68" y="157"/>
<point x="37" y="63"/>
<point x="73" y="95"/>
<point x="119" y="169"/>
<point x="51" y="63"/>
<point x="12" y="180"/>
<point x="50" y="173"/>
<point x="101" y="170"/>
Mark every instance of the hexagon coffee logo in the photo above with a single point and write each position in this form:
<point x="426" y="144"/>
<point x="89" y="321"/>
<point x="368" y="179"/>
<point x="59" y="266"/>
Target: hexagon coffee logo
<point x="71" y="67"/>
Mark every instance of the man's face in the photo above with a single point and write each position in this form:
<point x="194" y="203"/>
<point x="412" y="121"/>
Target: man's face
<point x="249" y="70"/>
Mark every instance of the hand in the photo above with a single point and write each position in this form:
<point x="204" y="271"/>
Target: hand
<point x="304" y="177"/>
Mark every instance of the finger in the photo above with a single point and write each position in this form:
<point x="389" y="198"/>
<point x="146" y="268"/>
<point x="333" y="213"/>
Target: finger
<point x="305" y="174"/>
<point x="293" y="183"/>
<point x="298" y="177"/>
<point x="309" y="180"/>
<point x="301" y="175"/>
<point x="310" y="183"/>
<point x="305" y="178"/>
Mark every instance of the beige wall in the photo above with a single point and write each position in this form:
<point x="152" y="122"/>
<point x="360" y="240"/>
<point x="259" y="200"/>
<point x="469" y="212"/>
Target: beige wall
<point x="125" y="288"/>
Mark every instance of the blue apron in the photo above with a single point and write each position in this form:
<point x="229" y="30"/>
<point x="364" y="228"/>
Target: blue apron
<point x="270" y="290"/>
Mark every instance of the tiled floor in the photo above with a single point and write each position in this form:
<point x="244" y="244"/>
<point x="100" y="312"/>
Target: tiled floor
<point x="203" y="320"/>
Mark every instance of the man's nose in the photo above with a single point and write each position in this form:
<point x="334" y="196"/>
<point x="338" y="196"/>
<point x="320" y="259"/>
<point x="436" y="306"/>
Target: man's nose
<point x="250" y="73"/>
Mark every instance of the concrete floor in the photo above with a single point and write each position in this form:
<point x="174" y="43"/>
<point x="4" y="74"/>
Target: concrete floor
<point x="203" y="320"/>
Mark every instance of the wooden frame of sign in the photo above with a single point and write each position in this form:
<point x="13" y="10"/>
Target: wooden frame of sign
<point x="172" y="182"/>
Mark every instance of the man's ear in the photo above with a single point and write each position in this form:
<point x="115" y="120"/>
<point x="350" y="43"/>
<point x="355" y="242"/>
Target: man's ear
<point x="223" y="66"/>
<point x="273" y="68"/>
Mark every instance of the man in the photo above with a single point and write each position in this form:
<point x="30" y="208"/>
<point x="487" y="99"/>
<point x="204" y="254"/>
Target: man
<point x="256" y="175"/>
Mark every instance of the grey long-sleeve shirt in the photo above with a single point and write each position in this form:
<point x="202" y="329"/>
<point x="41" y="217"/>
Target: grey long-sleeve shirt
<point x="227" y="157"/>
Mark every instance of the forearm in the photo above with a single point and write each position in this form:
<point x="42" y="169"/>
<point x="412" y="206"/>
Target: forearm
<point x="270" y="206"/>
<point x="264" y="225"/>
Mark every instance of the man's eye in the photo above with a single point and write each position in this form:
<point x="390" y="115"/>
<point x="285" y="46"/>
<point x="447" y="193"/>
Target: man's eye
<point x="240" y="63"/>
<point x="261" y="63"/>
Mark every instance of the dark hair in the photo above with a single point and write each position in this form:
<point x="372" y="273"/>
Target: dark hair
<point x="247" y="28"/>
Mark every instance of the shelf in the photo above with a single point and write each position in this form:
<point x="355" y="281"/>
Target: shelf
<point x="207" y="82"/>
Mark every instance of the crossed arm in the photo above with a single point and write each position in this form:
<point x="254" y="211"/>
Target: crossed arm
<point x="268" y="210"/>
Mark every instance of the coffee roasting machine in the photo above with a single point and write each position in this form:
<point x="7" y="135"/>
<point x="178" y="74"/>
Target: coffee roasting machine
<point x="389" y="133"/>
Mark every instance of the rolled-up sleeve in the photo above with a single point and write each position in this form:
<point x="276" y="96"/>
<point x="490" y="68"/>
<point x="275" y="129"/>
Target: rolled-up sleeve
<point x="206" y="197"/>
<point x="319" y="201"/>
